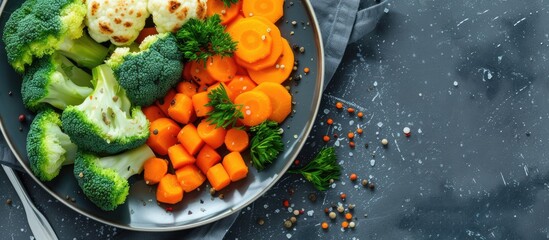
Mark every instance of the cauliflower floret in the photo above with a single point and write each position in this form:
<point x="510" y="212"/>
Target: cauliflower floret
<point x="119" y="21"/>
<point x="170" y="15"/>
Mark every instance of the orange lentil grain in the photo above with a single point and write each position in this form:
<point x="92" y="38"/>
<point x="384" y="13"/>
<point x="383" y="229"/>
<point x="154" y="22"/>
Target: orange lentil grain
<point x="351" y="144"/>
<point x="324" y="225"/>
<point x="350" y="110"/>
<point x="359" y="130"/>
<point x="353" y="177"/>
<point x="350" y="135"/>
<point x="360" y="114"/>
<point x="330" y="121"/>
<point x="343" y="196"/>
<point x="344" y="224"/>
<point x="306" y="70"/>
<point x="348" y="216"/>
<point x="326" y="138"/>
<point x="339" y="105"/>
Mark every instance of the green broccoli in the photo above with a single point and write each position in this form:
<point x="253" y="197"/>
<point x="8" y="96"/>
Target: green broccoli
<point x="104" y="180"/>
<point x="54" y="80"/>
<point x="148" y="74"/>
<point x="48" y="148"/>
<point x="41" y="27"/>
<point x="106" y="122"/>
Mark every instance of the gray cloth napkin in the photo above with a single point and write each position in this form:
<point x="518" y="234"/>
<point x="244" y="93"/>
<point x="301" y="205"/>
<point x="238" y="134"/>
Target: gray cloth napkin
<point x="341" y="22"/>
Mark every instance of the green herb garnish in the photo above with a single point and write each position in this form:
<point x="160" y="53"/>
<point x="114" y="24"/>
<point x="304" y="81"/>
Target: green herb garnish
<point x="266" y="144"/>
<point x="201" y="39"/>
<point x="224" y="111"/>
<point x="322" y="170"/>
<point x="229" y="2"/>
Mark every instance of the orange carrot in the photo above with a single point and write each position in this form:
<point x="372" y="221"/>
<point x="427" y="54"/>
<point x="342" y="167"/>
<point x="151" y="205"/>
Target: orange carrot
<point x="256" y="107"/>
<point x="237" y="18"/>
<point x="211" y="134"/>
<point x="221" y="68"/>
<point x="218" y="177"/>
<point x="270" y="9"/>
<point x="153" y="112"/>
<point x="188" y="137"/>
<point x="168" y="190"/>
<point x="190" y="177"/>
<point x="179" y="156"/>
<point x="276" y="50"/>
<point x="163" y="134"/>
<point x="235" y="166"/>
<point x="254" y="40"/>
<point x="240" y="84"/>
<point x="206" y="158"/>
<point x="154" y="169"/>
<point x="200" y="75"/>
<point x="236" y="140"/>
<point x="164" y="103"/>
<point x="225" y="13"/>
<point x="145" y="32"/>
<point x="181" y="109"/>
<point x="230" y="93"/>
<point x="281" y="100"/>
<point x="240" y="70"/>
<point x="199" y="104"/>
<point x="187" y="87"/>
<point x="187" y="71"/>
<point x="280" y="71"/>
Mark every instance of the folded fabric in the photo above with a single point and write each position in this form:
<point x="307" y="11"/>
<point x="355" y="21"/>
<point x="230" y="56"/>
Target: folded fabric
<point x="341" y="22"/>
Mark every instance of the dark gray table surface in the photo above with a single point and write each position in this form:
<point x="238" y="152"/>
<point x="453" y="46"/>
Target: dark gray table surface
<point x="470" y="80"/>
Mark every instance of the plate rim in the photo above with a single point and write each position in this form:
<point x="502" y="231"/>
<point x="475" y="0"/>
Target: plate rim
<point x="317" y="95"/>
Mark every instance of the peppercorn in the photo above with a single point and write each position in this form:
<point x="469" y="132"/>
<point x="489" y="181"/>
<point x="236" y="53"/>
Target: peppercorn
<point x="343" y="196"/>
<point x="286" y="203"/>
<point x="260" y="221"/>
<point x="21" y="117"/>
<point x="353" y="177"/>
<point x="8" y="201"/>
<point x="312" y="197"/>
<point x="351" y="206"/>
<point x="385" y="142"/>
<point x="364" y="182"/>
<point x="359" y="130"/>
<point x="344" y="224"/>
<point x="352" y="224"/>
<point x="296" y="212"/>
<point x="221" y="196"/>
<point x="326" y="210"/>
<point x="306" y="70"/>
<point x="332" y="215"/>
<point x="352" y="144"/>
<point x="293" y="219"/>
<point x="350" y="135"/>
<point x="288" y="224"/>
<point x="212" y="191"/>
<point x="340" y="209"/>
<point x="372" y="186"/>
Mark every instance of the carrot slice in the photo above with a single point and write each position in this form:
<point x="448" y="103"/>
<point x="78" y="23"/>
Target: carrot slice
<point x="154" y="169"/>
<point x="235" y="166"/>
<point x="199" y="103"/>
<point x="236" y="140"/>
<point x="211" y="134"/>
<point x="181" y="109"/>
<point x="179" y="156"/>
<point x="163" y="134"/>
<point x="200" y="75"/>
<point x="230" y="93"/>
<point x="169" y="190"/>
<point x="256" y="107"/>
<point x="225" y="13"/>
<point x="206" y="158"/>
<point x="145" y="32"/>
<point x="240" y="84"/>
<point x="254" y="40"/>
<point x="187" y="71"/>
<point x="153" y="112"/>
<point x="270" y="9"/>
<point x="187" y="87"/>
<point x="190" y="177"/>
<point x="278" y="73"/>
<point x="221" y="68"/>
<point x="218" y="177"/>
<point x="188" y="137"/>
<point x="276" y="50"/>
<point x="164" y="103"/>
<point x="281" y="100"/>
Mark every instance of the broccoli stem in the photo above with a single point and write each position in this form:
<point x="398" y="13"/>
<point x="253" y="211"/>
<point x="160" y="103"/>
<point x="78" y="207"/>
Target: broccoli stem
<point x="76" y="74"/>
<point x="127" y="163"/>
<point x="84" y="51"/>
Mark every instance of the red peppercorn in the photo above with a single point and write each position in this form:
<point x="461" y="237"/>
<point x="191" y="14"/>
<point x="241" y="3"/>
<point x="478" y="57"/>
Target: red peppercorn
<point x="350" y="110"/>
<point x="353" y="177"/>
<point x="21" y="118"/>
<point x="296" y="162"/>
<point x="286" y="203"/>
<point x="343" y="196"/>
<point x="330" y="121"/>
<point x="351" y="144"/>
<point x="326" y="138"/>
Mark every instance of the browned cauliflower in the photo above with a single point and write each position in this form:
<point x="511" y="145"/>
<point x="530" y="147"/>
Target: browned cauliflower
<point x="119" y="21"/>
<point x="170" y="15"/>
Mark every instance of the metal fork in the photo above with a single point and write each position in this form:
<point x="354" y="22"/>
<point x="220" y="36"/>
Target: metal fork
<point x="39" y="225"/>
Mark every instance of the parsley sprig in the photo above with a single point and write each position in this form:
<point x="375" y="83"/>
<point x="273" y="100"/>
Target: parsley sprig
<point x="201" y="39"/>
<point x="266" y="144"/>
<point x="321" y="170"/>
<point x="228" y="3"/>
<point x="224" y="111"/>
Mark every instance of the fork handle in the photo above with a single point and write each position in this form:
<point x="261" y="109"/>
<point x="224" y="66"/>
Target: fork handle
<point x="38" y="224"/>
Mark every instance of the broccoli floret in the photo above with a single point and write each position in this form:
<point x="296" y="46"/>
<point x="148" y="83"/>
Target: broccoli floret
<point x="54" y="80"/>
<point x="148" y="74"/>
<point x="41" y="27"/>
<point x="106" y="122"/>
<point x="48" y="148"/>
<point x="104" y="180"/>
